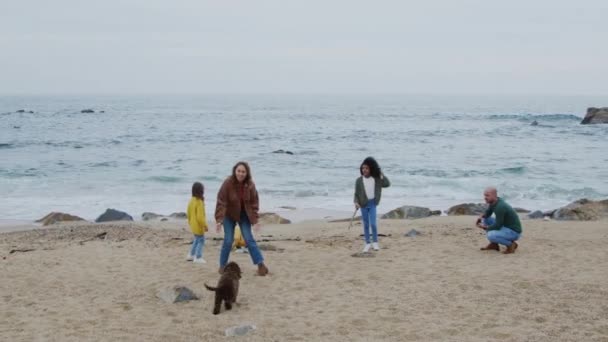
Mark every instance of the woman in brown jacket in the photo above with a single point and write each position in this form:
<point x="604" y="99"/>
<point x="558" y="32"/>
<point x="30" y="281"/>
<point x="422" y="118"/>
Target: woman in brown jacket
<point x="237" y="202"/>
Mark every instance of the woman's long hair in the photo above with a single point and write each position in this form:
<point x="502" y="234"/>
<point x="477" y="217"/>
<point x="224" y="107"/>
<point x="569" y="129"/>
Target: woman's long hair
<point x="374" y="168"/>
<point x="247" y="179"/>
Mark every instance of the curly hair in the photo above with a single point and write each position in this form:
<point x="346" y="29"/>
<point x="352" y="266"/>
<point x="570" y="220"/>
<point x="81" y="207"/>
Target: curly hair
<point x="374" y="168"/>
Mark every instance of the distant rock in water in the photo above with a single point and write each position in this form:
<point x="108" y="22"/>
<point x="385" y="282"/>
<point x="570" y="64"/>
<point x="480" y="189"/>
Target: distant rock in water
<point x="20" y="111"/>
<point x="534" y="123"/>
<point x="283" y="151"/>
<point x="55" y="217"/>
<point x="468" y="209"/>
<point x="114" y="215"/>
<point x="102" y="111"/>
<point x="521" y="210"/>
<point x="272" y="218"/>
<point x="583" y="210"/>
<point x="87" y="111"/>
<point x="31" y="112"/>
<point x="596" y="116"/>
<point x="179" y="216"/>
<point x="410" y="212"/>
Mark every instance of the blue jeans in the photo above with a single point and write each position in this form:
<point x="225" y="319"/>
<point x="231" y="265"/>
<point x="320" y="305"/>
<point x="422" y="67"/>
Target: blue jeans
<point x="368" y="215"/>
<point x="503" y="236"/>
<point x="197" y="246"/>
<point x="254" y="251"/>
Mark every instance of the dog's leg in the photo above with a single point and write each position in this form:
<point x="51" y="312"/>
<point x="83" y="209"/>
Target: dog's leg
<point x="218" y="304"/>
<point x="228" y="305"/>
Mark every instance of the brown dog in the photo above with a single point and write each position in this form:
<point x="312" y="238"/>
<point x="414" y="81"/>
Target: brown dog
<point x="227" y="287"/>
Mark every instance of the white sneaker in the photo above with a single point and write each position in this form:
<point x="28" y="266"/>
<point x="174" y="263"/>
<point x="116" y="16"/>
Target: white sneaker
<point x="366" y="248"/>
<point x="375" y="246"/>
<point x="190" y="257"/>
<point x="199" y="261"/>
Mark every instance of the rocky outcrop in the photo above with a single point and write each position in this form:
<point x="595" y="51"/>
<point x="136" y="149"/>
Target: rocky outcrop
<point x="181" y="216"/>
<point x="521" y="210"/>
<point x="114" y="215"/>
<point x="596" y="116"/>
<point x="56" y="217"/>
<point x="147" y="216"/>
<point x="410" y="212"/>
<point x="87" y="111"/>
<point x="583" y="210"/>
<point x="272" y="218"/>
<point x="536" y="215"/>
<point x="473" y="209"/>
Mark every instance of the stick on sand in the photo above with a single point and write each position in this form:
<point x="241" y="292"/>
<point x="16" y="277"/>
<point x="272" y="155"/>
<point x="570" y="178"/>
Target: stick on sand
<point x="353" y="218"/>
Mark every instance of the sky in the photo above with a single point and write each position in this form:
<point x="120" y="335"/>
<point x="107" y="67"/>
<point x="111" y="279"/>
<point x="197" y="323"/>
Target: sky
<point x="229" y="46"/>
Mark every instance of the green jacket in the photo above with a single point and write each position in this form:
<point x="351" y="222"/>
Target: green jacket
<point x="361" y="197"/>
<point x="505" y="216"/>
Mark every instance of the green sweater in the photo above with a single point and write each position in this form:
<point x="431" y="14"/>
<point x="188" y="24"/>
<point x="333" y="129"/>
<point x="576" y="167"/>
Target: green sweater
<point x="361" y="197"/>
<point x="505" y="216"/>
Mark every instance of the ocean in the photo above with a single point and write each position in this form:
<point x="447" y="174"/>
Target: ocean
<point x="144" y="152"/>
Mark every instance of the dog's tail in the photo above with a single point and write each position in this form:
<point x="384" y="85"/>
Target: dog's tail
<point x="210" y="288"/>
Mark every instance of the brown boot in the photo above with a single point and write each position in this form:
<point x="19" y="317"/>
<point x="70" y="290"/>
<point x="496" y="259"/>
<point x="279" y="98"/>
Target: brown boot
<point x="491" y="247"/>
<point x="511" y="249"/>
<point x="262" y="269"/>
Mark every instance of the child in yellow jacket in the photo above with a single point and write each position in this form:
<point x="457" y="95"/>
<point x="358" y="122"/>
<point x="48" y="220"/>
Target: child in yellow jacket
<point x="197" y="222"/>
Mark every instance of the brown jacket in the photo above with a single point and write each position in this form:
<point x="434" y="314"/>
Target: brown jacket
<point x="229" y="201"/>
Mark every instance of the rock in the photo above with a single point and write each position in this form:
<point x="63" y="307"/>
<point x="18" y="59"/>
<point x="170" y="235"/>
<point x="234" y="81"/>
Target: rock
<point x="412" y="233"/>
<point x="536" y="215"/>
<point x="596" y="116"/>
<point x="164" y="219"/>
<point x="20" y="111"/>
<point x="240" y="330"/>
<point x="521" y="210"/>
<point x="87" y="111"/>
<point x="176" y="294"/>
<point x="114" y="215"/>
<point x="409" y="212"/>
<point x="467" y="209"/>
<point x="288" y="207"/>
<point x="150" y="216"/>
<point x="103" y="111"/>
<point x="272" y="218"/>
<point x="583" y="210"/>
<point x="182" y="216"/>
<point x="283" y="151"/>
<point x="534" y="123"/>
<point x="549" y="213"/>
<point x="55" y="217"/>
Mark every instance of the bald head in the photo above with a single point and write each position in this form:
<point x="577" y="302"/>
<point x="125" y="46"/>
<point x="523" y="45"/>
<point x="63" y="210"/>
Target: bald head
<point x="490" y="195"/>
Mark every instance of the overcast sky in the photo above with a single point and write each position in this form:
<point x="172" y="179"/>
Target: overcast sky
<point x="307" y="46"/>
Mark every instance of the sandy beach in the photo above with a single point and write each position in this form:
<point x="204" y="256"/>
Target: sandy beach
<point x="437" y="286"/>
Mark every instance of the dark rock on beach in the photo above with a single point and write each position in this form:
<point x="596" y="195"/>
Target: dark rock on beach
<point x="150" y="216"/>
<point x="179" y="216"/>
<point x="583" y="210"/>
<point x="596" y="116"/>
<point x="536" y="215"/>
<point x="410" y="212"/>
<point x="272" y="218"/>
<point x="176" y="294"/>
<point x="56" y="217"/>
<point x="87" y="111"/>
<point x="114" y="215"/>
<point x="522" y="211"/>
<point x="468" y="209"/>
